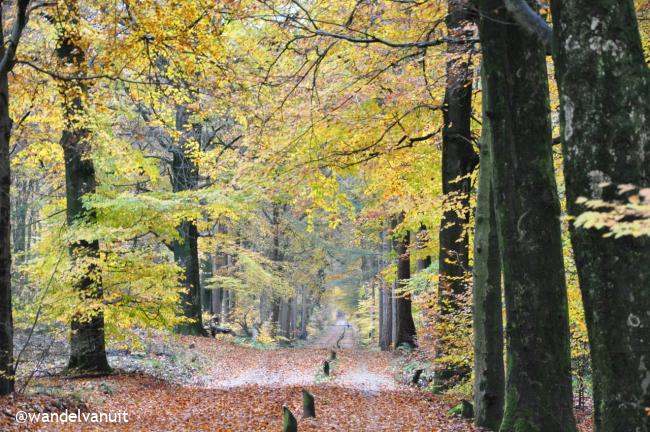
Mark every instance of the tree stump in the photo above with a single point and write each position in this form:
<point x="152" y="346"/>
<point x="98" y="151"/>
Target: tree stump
<point x="308" y="407"/>
<point x="468" y="410"/>
<point x="326" y="368"/>
<point x="289" y="423"/>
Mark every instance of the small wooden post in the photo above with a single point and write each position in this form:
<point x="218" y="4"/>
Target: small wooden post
<point x="332" y="355"/>
<point x="416" y="377"/>
<point x="326" y="368"/>
<point x="308" y="408"/>
<point x="289" y="423"/>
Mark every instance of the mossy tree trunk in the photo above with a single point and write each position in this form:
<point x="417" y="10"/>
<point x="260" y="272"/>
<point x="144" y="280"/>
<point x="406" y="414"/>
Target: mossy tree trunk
<point x="87" y="340"/>
<point x="489" y="379"/>
<point x="538" y="381"/>
<point x="604" y="84"/>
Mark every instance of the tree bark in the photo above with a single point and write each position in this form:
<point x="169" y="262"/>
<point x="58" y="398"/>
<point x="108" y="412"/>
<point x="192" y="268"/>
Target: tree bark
<point x="538" y="383"/>
<point x="422" y="263"/>
<point x="386" y="329"/>
<point x="6" y="317"/>
<point x="604" y="84"/>
<point x="185" y="176"/>
<point x="7" y="55"/>
<point x="458" y="161"/>
<point x="87" y="340"/>
<point x="405" y="327"/>
<point x="489" y="376"/>
<point x="21" y="211"/>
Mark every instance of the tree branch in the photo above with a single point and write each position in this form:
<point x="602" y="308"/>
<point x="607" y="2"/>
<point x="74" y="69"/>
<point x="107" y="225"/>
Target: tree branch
<point x="20" y="22"/>
<point x="531" y="22"/>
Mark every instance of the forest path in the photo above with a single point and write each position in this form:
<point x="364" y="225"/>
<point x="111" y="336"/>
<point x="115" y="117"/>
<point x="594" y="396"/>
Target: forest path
<point x="330" y="337"/>
<point x="241" y="388"/>
<point x="355" y="368"/>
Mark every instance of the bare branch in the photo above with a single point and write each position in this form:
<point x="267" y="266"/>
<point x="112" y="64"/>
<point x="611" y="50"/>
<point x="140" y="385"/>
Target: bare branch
<point x="531" y="22"/>
<point x="20" y="22"/>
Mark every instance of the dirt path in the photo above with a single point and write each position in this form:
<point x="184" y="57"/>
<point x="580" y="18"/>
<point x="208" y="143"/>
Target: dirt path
<point x="244" y="389"/>
<point x="330" y="337"/>
<point x="355" y="368"/>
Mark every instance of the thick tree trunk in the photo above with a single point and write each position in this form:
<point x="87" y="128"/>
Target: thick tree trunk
<point x="538" y="383"/>
<point x="87" y="340"/>
<point x="405" y="327"/>
<point x="489" y="377"/>
<point x="185" y="176"/>
<point x="7" y="54"/>
<point x="604" y="84"/>
<point x="458" y="161"/>
<point x="6" y="318"/>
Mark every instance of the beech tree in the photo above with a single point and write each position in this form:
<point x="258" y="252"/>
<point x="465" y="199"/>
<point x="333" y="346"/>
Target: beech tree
<point x="405" y="327"/>
<point x="604" y="85"/>
<point x="538" y="378"/>
<point x="87" y="339"/>
<point x="489" y="380"/>
<point x="458" y="162"/>
<point x="185" y="177"/>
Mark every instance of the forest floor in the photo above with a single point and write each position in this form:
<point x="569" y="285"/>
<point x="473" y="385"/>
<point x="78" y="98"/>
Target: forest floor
<point x="233" y="387"/>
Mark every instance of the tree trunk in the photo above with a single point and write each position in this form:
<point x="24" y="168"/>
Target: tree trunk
<point x="87" y="340"/>
<point x="422" y="263"/>
<point x="285" y="314"/>
<point x="7" y="53"/>
<point x="21" y="210"/>
<point x="458" y="161"/>
<point x="6" y="318"/>
<point x="206" y="294"/>
<point x="380" y="310"/>
<point x="185" y="177"/>
<point x="226" y="306"/>
<point x="538" y="383"/>
<point x="604" y="84"/>
<point x="489" y="379"/>
<point x="386" y="330"/>
<point x="303" y="313"/>
<point x="405" y="327"/>
<point x="217" y="293"/>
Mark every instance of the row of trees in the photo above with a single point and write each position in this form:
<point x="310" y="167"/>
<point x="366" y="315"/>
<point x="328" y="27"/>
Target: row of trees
<point x="150" y="173"/>
<point x="518" y="236"/>
<point x="248" y="159"/>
